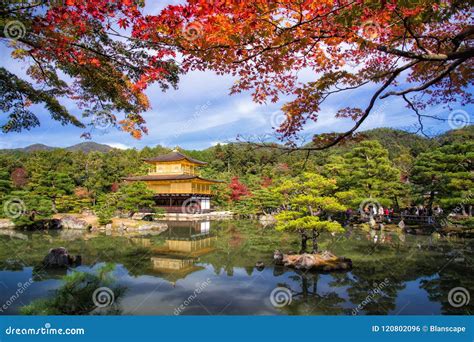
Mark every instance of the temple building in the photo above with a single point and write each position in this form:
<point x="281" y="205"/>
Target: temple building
<point x="174" y="177"/>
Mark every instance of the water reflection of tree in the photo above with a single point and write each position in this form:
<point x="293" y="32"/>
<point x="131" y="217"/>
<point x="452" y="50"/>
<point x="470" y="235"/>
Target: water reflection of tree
<point x="374" y="289"/>
<point x="306" y="298"/>
<point x="16" y="254"/>
<point x="80" y="294"/>
<point x="451" y="273"/>
<point x="242" y="244"/>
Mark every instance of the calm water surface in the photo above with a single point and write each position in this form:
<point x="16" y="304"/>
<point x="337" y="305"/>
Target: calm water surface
<point x="209" y="269"/>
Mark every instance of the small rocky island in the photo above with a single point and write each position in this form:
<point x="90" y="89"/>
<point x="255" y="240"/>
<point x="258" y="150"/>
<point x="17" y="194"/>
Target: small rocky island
<point x="322" y="261"/>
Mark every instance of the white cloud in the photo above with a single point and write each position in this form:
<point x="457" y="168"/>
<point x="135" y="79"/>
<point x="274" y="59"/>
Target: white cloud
<point x="119" y="146"/>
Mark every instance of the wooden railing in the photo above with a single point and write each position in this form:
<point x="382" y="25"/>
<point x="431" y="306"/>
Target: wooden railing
<point x="419" y="219"/>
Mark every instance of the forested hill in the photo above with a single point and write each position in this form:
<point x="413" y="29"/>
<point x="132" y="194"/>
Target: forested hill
<point x="395" y="141"/>
<point x="403" y="167"/>
<point x="84" y="147"/>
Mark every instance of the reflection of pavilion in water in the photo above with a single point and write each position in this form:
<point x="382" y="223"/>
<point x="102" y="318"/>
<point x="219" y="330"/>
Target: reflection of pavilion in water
<point x="184" y="243"/>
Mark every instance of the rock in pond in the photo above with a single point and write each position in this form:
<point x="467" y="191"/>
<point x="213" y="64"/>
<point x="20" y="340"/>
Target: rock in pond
<point x="323" y="261"/>
<point x="70" y="222"/>
<point x="60" y="257"/>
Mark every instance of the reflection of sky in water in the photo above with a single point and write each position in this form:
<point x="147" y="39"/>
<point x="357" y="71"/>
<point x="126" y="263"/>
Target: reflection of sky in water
<point x="9" y="287"/>
<point x="225" y="295"/>
<point x="410" y="300"/>
<point x="233" y="289"/>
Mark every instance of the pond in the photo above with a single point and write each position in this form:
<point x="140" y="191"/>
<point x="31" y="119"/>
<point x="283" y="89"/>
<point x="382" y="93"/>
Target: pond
<point x="209" y="268"/>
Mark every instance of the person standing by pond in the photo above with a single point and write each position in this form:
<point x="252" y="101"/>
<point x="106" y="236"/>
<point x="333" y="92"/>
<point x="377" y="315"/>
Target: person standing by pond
<point x="387" y="214"/>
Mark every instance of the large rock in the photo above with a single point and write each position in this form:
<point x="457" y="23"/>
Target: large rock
<point x="267" y="220"/>
<point x="127" y="225"/>
<point x="155" y="226"/>
<point x="323" y="261"/>
<point x="60" y="257"/>
<point x="6" y="224"/>
<point x="70" y="222"/>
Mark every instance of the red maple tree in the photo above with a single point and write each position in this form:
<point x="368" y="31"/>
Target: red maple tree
<point x="238" y="189"/>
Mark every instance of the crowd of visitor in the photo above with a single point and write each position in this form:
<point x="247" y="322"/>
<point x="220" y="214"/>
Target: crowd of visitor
<point x="387" y="214"/>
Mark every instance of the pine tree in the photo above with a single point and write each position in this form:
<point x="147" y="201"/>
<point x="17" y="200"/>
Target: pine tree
<point x="445" y="175"/>
<point x="366" y="172"/>
<point x="310" y="203"/>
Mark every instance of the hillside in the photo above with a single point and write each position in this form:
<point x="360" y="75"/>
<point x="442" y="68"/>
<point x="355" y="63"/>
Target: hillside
<point x="85" y="147"/>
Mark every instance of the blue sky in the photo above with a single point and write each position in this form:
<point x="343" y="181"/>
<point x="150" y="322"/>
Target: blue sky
<point x="201" y="113"/>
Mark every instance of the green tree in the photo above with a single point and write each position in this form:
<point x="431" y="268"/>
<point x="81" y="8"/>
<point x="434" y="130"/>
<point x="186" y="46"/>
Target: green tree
<point x="130" y="198"/>
<point x="310" y="202"/>
<point x="366" y="172"/>
<point x="267" y="200"/>
<point x="445" y="175"/>
<point x="5" y="186"/>
<point x="134" y="196"/>
<point x="52" y="185"/>
<point x="27" y="208"/>
<point x="78" y="295"/>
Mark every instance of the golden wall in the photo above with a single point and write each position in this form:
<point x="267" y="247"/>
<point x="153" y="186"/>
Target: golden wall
<point x="179" y="187"/>
<point x="172" y="168"/>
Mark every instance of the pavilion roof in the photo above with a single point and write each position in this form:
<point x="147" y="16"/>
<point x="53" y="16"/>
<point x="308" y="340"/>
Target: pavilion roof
<point x="174" y="156"/>
<point x="168" y="178"/>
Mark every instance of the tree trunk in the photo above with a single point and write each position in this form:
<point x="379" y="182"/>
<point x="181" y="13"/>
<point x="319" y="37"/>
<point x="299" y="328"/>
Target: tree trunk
<point x="304" y="240"/>
<point x="315" y="241"/>
<point x="397" y="205"/>
<point x="430" y="201"/>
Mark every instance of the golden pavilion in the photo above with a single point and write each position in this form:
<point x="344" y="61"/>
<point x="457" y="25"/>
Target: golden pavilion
<point x="175" y="180"/>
